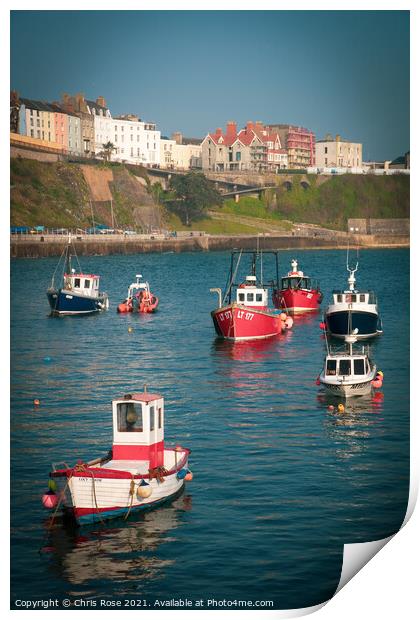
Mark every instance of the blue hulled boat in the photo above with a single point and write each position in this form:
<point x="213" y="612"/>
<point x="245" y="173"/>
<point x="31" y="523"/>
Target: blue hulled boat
<point x="80" y="291"/>
<point x="358" y="307"/>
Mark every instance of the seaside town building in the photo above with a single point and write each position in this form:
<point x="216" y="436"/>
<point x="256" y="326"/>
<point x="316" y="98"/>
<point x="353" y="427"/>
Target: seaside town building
<point x="299" y="143"/>
<point x="134" y="141"/>
<point x="78" y="105"/>
<point x="338" y="153"/>
<point x="254" y="148"/>
<point x="180" y="153"/>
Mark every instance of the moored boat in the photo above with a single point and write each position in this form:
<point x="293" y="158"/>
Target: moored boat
<point x="139" y="473"/>
<point x="248" y="317"/>
<point x="79" y="293"/>
<point x="348" y="373"/>
<point x="139" y="298"/>
<point x="362" y="305"/>
<point x="298" y="293"/>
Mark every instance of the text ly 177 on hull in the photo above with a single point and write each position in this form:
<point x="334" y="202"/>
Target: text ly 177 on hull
<point x="64" y="302"/>
<point x="367" y="324"/>
<point x="236" y="322"/>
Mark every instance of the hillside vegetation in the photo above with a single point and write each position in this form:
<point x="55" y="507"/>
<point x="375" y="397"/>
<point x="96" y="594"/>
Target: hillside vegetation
<point x="59" y="195"/>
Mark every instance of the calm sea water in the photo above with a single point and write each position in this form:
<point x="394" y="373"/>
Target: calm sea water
<point x="280" y="483"/>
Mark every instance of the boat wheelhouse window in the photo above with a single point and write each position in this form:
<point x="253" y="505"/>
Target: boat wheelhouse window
<point x="304" y="283"/>
<point x="250" y="296"/>
<point x="87" y="283"/>
<point x="294" y="282"/>
<point x="258" y="297"/>
<point x="362" y="298"/>
<point x="129" y="417"/>
<point x="285" y="283"/>
<point x="359" y="367"/>
<point x="152" y="418"/>
<point x="160" y="417"/>
<point x="331" y="367"/>
<point x="345" y="367"/>
<point x="241" y="296"/>
<point x="76" y="282"/>
<point x="339" y="299"/>
<point x="351" y="299"/>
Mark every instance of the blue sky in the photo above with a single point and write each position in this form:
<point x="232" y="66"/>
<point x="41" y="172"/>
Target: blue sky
<point x="344" y="72"/>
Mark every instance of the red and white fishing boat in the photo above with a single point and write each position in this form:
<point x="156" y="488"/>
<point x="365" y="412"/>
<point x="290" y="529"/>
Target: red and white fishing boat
<point x="139" y="298"/>
<point x="298" y="293"/>
<point x="248" y="317"/>
<point x="139" y="473"/>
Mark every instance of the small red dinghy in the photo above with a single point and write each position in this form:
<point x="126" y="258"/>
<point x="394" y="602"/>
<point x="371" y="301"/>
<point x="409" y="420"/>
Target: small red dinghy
<point x="139" y="298"/>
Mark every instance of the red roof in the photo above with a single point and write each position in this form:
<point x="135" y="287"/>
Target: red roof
<point x="145" y="397"/>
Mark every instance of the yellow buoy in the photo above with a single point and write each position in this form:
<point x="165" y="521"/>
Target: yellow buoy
<point x="130" y="329"/>
<point x="340" y="408"/>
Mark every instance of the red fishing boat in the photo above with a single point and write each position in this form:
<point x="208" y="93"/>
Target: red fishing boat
<point x="139" y="298"/>
<point x="248" y="317"/>
<point x="297" y="293"/>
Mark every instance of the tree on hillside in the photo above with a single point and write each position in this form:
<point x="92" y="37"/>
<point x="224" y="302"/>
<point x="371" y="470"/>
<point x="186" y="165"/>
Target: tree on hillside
<point x="190" y="195"/>
<point x="108" y="147"/>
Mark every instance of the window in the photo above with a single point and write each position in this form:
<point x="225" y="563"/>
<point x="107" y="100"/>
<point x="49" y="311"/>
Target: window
<point x="152" y="418"/>
<point x="238" y="156"/>
<point x="116" y="138"/>
<point x="362" y="298"/>
<point x="77" y="283"/>
<point x="250" y="296"/>
<point x="241" y="296"/>
<point x="345" y="367"/>
<point x="359" y="367"/>
<point x="326" y="161"/>
<point x="32" y="133"/>
<point x="131" y="136"/>
<point x="325" y="149"/>
<point x="258" y="297"/>
<point x="160" y="417"/>
<point x="138" y="138"/>
<point x="87" y="283"/>
<point x="129" y="417"/>
<point x="331" y="367"/>
<point x="339" y="299"/>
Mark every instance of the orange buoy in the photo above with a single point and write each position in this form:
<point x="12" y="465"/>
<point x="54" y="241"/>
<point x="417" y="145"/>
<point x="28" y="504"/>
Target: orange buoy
<point x="49" y="500"/>
<point x="37" y="402"/>
<point x="283" y="316"/>
<point x="322" y="325"/>
<point x="377" y="384"/>
<point x="189" y="476"/>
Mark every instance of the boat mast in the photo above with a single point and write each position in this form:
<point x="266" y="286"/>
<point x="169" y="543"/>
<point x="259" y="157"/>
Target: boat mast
<point x="67" y="264"/>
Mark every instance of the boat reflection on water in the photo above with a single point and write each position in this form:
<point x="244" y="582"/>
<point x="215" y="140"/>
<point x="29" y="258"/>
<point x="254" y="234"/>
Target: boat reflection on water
<point x="350" y="429"/>
<point x="123" y="552"/>
<point x="251" y="350"/>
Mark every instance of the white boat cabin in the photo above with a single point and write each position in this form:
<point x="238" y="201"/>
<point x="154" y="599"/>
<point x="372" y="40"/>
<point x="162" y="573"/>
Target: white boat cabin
<point x="82" y="284"/>
<point x="138" y="428"/>
<point x="354" y="297"/>
<point x="296" y="279"/>
<point x="249" y="294"/>
<point x="346" y="365"/>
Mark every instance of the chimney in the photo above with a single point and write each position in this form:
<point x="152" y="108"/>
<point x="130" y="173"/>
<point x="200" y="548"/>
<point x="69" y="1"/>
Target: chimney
<point x="177" y="136"/>
<point x="231" y="129"/>
<point x="249" y="126"/>
<point x="259" y="125"/>
<point x="219" y="132"/>
<point x="101" y="101"/>
<point x="338" y="138"/>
